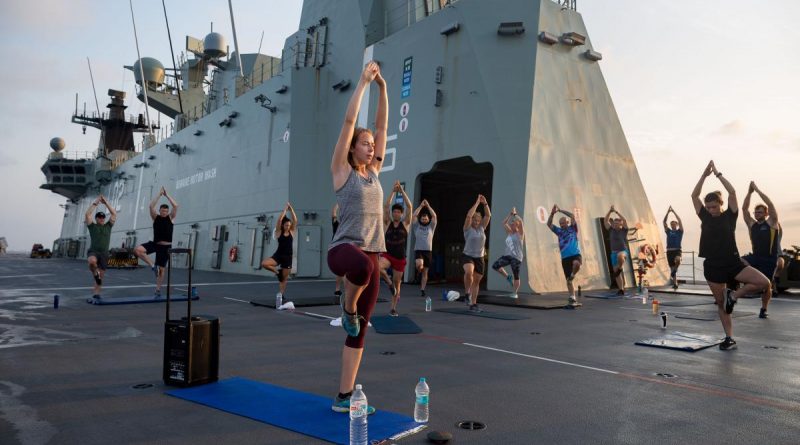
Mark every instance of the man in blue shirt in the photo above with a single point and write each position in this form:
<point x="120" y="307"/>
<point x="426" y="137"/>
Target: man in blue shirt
<point x="674" y="238"/>
<point x="571" y="260"/>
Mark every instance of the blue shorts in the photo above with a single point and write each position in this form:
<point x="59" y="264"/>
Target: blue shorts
<point x="614" y="257"/>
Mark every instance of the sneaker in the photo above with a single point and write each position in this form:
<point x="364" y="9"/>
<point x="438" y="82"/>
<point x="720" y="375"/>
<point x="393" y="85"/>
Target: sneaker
<point x="422" y="293"/>
<point x="349" y="323"/>
<point x="96" y="297"/>
<point x="729" y="301"/>
<point x="621" y="293"/>
<point x="514" y="296"/>
<point x="510" y="279"/>
<point x="474" y="308"/>
<point x="728" y="344"/>
<point x="763" y="313"/>
<point x="343" y="406"/>
<point x="97" y="278"/>
<point x="157" y="293"/>
<point x="393" y="313"/>
<point x="572" y="300"/>
<point x="337" y="293"/>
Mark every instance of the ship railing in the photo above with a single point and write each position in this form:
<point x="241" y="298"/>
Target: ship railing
<point x="73" y="155"/>
<point x="405" y="14"/>
<point x="94" y="116"/>
<point x="260" y="74"/>
<point x="687" y="271"/>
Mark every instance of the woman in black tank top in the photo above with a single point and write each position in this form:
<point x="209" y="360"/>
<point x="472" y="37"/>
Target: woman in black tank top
<point x="282" y="258"/>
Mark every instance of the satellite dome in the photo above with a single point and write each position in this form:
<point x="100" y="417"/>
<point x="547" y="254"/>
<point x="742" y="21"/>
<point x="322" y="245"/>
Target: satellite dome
<point x="215" y="46"/>
<point x="153" y="71"/>
<point x="57" y="144"/>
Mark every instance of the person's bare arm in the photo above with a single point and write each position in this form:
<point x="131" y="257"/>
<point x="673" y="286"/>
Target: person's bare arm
<point x="487" y="213"/>
<point x="733" y="202"/>
<point x="772" y="220"/>
<point x="154" y="203"/>
<point x="552" y="215"/>
<point x="292" y="217"/>
<point x="409" y="209"/>
<point x="90" y="211"/>
<point x="173" y="203"/>
<point x="471" y="212"/>
<point x="696" y="201"/>
<point x="113" y="218"/>
<point x="381" y="124"/>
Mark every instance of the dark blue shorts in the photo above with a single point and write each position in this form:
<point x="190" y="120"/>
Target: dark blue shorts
<point x="763" y="264"/>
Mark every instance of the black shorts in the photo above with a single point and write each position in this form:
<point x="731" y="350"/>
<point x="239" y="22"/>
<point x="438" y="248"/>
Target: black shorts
<point x="284" y="261"/>
<point x="102" y="258"/>
<point x="161" y="250"/>
<point x="480" y="267"/>
<point x="566" y="264"/>
<point x="763" y="264"/>
<point x="671" y="255"/>
<point x="722" y="270"/>
<point x="426" y="257"/>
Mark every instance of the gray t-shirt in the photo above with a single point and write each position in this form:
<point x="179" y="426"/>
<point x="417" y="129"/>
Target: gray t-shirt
<point x="514" y="246"/>
<point x="423" y="235"/>
<point x="474" y="240"/>
<point x="618" y="239"/>
<point x="360" y="213"/>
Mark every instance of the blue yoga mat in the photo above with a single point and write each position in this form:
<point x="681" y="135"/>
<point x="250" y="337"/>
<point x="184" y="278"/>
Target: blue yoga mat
<point x="293" y="410"/>
<point x="386" y="324"/>
<point x="135" y="300"/>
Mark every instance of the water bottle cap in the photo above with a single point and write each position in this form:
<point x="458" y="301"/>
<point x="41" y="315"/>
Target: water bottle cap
<point x="358" y="386"/>
<point x="422" y="379"/>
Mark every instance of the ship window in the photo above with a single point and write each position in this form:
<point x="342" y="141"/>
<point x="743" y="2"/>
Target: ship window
<point x="79" y="169"/>
<point x="55" y="169"/>
<point x="67" y="169"/>
<point x="56" y="179"/>
<point x="69" y="179"/>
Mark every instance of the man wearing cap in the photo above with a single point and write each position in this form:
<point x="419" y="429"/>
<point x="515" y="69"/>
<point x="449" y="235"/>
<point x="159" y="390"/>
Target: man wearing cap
<point x="163" y="221"/>
<point x="100" y="234"/>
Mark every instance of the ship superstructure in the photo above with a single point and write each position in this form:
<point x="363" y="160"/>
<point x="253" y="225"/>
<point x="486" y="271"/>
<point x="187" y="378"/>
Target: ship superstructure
<point x="507" y="101"/>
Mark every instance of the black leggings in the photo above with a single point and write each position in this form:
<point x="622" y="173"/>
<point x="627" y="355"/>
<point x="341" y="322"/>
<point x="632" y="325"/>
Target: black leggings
<point x="359" y="268"/>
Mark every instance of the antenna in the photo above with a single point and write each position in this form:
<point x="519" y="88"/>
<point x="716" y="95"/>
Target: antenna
<point x="236" y="40"/>
<point x="172" y="52"/>
<point x="147" y="115"/>
<point x="91" y="76"/>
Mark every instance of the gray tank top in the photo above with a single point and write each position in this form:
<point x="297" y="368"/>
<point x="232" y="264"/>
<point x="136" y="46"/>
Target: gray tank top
<point x="514" y="246"/>
<point x="474" y="240"/>
<point x="360" y="213"/>
<point x="617" y="239"/>
<point x="423" y="236"/>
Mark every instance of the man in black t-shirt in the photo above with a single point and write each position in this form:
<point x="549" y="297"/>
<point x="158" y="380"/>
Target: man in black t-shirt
<point x="397" y="222"/>
<point x="718" y="246"/>
<point x="163" y="222"/>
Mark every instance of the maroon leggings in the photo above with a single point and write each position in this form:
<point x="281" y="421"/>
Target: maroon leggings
<point x="359" y="268"/>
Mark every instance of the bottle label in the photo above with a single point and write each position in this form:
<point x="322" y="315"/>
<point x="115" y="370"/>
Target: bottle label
<point x="358" y="409"/>
<point x="422" y="399"/>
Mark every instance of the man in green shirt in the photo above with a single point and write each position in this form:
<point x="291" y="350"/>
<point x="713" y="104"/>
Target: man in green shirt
<point x="100" y="233"/>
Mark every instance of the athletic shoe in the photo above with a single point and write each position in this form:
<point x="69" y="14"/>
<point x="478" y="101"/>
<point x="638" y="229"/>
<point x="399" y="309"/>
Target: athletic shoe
<point x="514" y="296"/>
<point x="621" y="293"/>
<point x="763" y="313"/>
<point x="510" y="279"/>
<point x="343" y="406"/>
<point x="422" y="293"/>
<point x="728" y="344"/>
<point x="96" y="297"/>
<point x="729" y="301"/>
<point x="349" y="322"/>
<point x="97" y="278"/>
<point x="572" y="300"/>
<point x="157" y="293"/>
<point x="393" y="313"/>
<point x="474" y="308"/>
<point x="337" y="293"/>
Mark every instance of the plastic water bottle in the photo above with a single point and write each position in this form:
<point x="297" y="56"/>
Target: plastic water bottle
<point x="428" y="304"/>
<point x="645" y="295"/>
<point x="278" y="300"/>
<point x="421" y="405"/>
<point x="358" y="417"/>
<point x="55" y="301"/>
